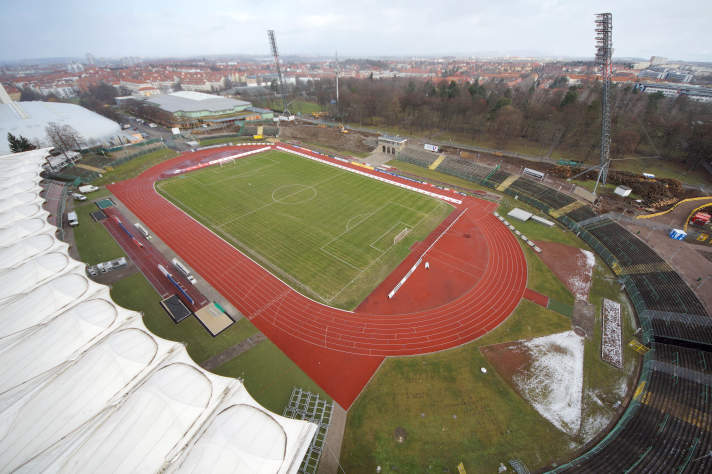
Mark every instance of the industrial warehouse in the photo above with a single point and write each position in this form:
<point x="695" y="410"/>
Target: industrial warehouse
<point x="189" y="109"/>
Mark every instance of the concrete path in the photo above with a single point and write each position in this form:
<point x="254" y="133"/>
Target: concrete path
<point x="232" y="352"/>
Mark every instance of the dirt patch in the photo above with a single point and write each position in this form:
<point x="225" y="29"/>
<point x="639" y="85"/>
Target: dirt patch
<point x="508" y="358"/>
<point x="327" y="136"/>
<point x="583" y="318"/>
<point x="573" y="266"/>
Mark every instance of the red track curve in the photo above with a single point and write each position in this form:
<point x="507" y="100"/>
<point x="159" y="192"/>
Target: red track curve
<point x="339" y="349"/>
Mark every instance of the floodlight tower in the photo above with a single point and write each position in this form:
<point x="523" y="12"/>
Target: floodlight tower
<point x="338" y="71"/>
<point x="275" y="53"/>
<point x="604" y="51"/>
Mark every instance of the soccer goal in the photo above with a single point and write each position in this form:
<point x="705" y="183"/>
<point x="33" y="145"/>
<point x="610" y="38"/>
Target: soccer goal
<point x="400" y="235"/>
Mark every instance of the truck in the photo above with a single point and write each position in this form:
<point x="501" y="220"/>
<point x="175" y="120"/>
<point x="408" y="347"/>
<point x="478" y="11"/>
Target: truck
<point x="180" y="266"/>
<point x="87" y="188"/>
<point x="72" y="219"/>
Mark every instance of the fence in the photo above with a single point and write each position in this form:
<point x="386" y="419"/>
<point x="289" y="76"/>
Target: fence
<point x="59" y="219"/>
<point x="132" y="145"/>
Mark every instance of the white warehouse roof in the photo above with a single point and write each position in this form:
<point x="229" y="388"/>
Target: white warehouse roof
<point x="85" y="387"/>
<point x="190" y="101"/>
<point x="94" y="128"/>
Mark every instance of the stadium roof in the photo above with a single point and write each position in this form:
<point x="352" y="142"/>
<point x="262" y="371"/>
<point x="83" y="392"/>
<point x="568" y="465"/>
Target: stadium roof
<point x="85" y="387"/>
<point x="93" y="128"/>
<point x="189" y="101"/>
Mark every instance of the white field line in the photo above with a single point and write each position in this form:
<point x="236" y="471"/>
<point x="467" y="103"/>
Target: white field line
<point x="349" y="229"/>
<point x="373" y="176"/>
<point x="379" y="258"/>
<point x="341" y="260"/>
<point x="412" y="269"/>
<point x="189" y="208"/>
<point x="253" y="172"/>
<point x="399" y="223"/>
<point x="264" y="206"/>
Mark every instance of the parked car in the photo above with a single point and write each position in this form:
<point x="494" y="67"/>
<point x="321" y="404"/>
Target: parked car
<point x="118" y="263"/>
<point x="72" y="219"/>
<point x="87" y="188"/>
<point x="91" y="270"/>
<point x="79" y="197"/>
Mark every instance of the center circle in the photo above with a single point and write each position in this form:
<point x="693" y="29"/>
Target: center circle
<point x="294" y="194"/>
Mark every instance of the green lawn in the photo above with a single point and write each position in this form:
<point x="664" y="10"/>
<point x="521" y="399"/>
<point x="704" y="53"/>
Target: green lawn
<point x="93" y="241"/>
<point x="451" y="411"/>
<point x="330" y="231"/>
<point x="135" y="166"/>
<point x="535" y="231"/>
<point x="298" y="106"/>
<point x="269" y="375"/>
<point x="604" y="385"/>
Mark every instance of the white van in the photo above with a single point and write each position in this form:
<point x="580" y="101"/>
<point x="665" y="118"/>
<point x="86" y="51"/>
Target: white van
<point x="183" y="270"/>
<point x="143" y="231"/>
<point x="87" y="188"/>
<point x="72" y="218"/>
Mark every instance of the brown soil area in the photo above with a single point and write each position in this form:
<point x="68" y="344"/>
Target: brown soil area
<point x="327" y="136"/>
<point x="509" y="359"/>
<point x="569" y="265"/>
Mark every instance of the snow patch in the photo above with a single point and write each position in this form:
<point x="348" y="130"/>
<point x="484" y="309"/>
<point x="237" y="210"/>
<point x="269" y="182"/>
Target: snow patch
<point x="580" y="282"/>
<point x="553" y="383"/>
<point x="611" y="339"/>
<point x="593" y="425"/>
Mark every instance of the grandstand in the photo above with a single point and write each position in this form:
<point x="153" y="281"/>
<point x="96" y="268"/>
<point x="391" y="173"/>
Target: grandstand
<point x="667" y="426"/>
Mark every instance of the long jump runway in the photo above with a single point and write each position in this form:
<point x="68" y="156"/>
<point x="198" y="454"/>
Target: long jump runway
<point x="339" y="349"/>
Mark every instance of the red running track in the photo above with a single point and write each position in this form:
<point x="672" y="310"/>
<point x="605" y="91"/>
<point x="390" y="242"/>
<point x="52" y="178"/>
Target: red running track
<point x="339" y="349"/>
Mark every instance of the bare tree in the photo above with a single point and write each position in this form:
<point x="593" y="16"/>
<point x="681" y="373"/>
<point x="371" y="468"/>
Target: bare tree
<point x="63" y="138"/>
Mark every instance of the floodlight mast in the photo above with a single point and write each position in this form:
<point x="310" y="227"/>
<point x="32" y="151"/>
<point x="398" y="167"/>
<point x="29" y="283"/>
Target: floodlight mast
<point x="604" y="52"/>
<point x="338" y="71"/>
<point x="275" y="54"/>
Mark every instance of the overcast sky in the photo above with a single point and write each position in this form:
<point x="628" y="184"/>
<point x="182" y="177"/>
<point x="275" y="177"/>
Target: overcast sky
<point x="151" y="28"/>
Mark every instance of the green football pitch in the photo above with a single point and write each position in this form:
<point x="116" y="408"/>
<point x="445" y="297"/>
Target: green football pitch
<point x="326" y="232"/>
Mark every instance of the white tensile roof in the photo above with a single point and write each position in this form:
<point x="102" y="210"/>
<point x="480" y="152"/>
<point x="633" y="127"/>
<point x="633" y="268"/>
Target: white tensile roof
<point x="85" y="387"/>
<point x="94" y="128"/>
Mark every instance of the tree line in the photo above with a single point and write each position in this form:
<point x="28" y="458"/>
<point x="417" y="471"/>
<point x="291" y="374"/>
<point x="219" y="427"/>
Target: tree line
<point x="559" y="117"/>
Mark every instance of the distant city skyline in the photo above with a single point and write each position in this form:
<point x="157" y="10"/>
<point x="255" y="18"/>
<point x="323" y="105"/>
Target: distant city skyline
<point x="177" y="28"/>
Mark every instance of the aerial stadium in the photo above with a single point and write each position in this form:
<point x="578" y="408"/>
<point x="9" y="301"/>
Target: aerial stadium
<point x="269" y="305"/>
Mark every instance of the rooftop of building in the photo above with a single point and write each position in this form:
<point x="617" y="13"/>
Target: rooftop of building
<point x="189" y="101"/>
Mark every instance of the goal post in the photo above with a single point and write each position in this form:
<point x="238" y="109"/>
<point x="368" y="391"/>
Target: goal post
<point x="401" y="235"/>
